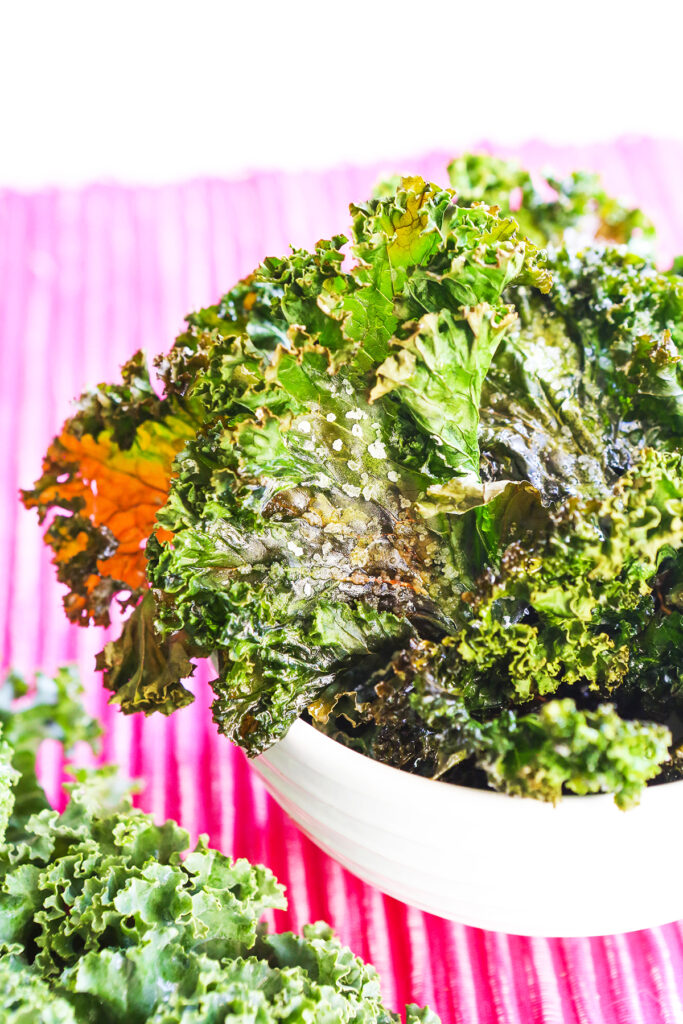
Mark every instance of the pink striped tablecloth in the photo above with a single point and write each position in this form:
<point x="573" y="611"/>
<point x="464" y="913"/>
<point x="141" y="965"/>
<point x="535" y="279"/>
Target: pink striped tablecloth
<point x="86" y="278"/>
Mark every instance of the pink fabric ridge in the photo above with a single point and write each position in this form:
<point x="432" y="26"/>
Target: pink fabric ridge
<point x="88" y="277"/>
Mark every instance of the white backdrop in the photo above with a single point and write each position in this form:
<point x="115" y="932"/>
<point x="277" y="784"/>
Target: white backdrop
<point x="141" y="90"/>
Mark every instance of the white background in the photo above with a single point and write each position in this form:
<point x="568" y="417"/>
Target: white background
<point x="151" y="91"/>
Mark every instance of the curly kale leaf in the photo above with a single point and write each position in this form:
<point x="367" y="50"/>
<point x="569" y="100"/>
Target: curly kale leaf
<point x="553" y="749"/>
<point x="105" y="915"/>
<point x="593" y="370"/>
<point x="409" y="715"/>
<point x="581" y="604"/>
<point x="546" y="208"/>
<point x="26" y="998"/>
<point x="143" y="669"/>
<point x="653" y="686"/>
<point x="9" y="776"/>
<point x="628" y="320"/>
<point x="438" y="376"/>
<point x="584" y="751"/>
<point x="47" y="708"/>
<point x="419" y="252"/>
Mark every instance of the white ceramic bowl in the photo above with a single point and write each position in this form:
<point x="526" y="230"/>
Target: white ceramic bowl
<point x="482" y="858"/>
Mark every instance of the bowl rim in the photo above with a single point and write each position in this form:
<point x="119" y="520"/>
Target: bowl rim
<point x="342" y="761"/>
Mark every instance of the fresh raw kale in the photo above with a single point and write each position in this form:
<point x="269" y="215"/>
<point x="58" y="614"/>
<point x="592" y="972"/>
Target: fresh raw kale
<point x="446" y="466"/>
<point x="105" y="916"/>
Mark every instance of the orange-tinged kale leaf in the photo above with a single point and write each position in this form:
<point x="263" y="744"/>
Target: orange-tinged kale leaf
<point x="104" y="478"/>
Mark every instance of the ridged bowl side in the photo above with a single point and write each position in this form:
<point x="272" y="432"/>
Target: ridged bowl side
<point x="481" y="858"/>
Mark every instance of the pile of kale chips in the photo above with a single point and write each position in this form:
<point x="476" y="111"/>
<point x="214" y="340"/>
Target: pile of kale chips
<point x="425" y="487"/>
<point x="105" y="918"/>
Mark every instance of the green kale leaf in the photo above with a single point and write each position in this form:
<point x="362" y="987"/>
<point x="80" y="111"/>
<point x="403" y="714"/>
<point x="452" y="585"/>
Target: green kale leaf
<point x="574" y="608"/>
<point x="585" y="751"/>
<point x="553" y="749"/>
<point x="47" y="707"/>
<point x="547" y="208"/>
<point x="105" y="915"/>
